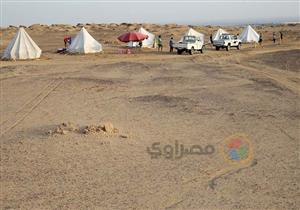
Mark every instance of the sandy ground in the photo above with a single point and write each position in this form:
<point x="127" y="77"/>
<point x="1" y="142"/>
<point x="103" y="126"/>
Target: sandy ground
<point x="149" y="97"/>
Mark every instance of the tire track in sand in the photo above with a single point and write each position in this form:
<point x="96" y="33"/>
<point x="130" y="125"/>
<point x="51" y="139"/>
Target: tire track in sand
<point x="29" y="106"/>
<point x="273" y="74"/>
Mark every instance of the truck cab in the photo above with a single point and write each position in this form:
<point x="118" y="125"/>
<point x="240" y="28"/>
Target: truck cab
<point x="189" y="44"/>
<point x="227" y="41"/>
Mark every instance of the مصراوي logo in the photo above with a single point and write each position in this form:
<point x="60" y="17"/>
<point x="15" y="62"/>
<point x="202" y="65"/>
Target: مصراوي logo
<point x="237" y="149"/>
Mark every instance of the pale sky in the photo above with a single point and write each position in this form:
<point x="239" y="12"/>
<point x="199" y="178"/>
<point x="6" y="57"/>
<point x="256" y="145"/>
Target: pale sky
<point x="194" y="12"/>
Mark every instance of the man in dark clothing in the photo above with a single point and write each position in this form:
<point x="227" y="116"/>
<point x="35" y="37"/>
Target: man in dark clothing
<point x="171" y="44"/>
<point x="260" y="40"/>
<point x="211" y="40"/>
<point x="281" y="36"/>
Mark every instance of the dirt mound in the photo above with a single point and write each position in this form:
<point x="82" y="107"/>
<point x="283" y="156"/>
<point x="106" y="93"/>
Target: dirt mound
<point x="64" y="128"/>
<point x="105" y="129"/>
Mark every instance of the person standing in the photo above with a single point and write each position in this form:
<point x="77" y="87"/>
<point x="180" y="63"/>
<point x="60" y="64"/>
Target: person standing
<point x="70" y="40"/>
<point x="211" y="38"/>
<point x="171" y="44"/>
<point x="66" y="40"/>
<point x="281" y="37"/>
<point x="260" y="40"/>
<point x="159" y="43"/>
<point x="274" y="37"/>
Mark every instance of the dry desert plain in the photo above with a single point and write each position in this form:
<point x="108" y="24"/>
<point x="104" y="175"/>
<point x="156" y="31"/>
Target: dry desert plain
<point x="54" y="155"/>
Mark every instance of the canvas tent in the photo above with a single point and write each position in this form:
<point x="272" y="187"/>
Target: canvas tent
<point x="249" y="35"/>
<point x="84" y="43"/>
<point x="149" y="42"/>
<point x="219" y="32"/>
<point x="192" y="32"/>
<point x="22" y="47"/>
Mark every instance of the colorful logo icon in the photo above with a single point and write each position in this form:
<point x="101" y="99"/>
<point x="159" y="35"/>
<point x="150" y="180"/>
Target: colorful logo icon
<point x="237" y="149"/>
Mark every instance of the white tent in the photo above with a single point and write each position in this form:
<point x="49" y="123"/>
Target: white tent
<point x="249" y="35"/>
<point x="22" y="47"/>
<point x="192" y="32"/>
<point x="149" y="42"/>
<point x="219" y="32"/>
<point x="84" y="43"/>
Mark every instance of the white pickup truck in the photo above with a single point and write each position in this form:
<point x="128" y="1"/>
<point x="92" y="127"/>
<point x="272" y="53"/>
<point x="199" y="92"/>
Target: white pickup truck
<point x="189" y="44"/>
<point x="227" y="41"/>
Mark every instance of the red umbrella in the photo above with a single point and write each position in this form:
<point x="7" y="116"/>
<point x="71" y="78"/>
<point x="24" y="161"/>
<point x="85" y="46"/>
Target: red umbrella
<point x="132" y="36"/>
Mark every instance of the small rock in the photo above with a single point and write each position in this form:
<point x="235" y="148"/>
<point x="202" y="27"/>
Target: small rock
<point x="108" y="127"/>
<point x="64" y="132"/>
<point x="58" y="130"/>
<point x="85" y="131"/>
<point x="124" y="136"/>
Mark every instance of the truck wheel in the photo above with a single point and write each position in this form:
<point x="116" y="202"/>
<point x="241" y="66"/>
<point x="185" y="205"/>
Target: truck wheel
<point x="228" y="47"/>
<point x="239" y="46"/>
<point x="217" y="48"/>
<point x="191" y="51"/>
<point x="179" y="52"/>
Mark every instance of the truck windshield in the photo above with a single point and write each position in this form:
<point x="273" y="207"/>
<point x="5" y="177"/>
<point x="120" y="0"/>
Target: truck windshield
<point x="189" y="39"/>
<point x="225" y="36"/>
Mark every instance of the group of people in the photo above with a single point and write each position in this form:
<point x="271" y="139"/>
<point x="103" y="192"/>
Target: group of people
<point x="260" y="40"/>
<point x="274" y="38"/>
<point x="159" y="45"/>
<point x="171" y="41"/>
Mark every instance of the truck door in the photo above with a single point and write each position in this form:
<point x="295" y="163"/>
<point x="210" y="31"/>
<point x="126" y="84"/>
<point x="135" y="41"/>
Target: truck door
<point x="234" y="38"/>
<point x="198" y="43"/>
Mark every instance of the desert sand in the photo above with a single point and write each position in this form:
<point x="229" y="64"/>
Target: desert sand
<point x="114" y="106"/>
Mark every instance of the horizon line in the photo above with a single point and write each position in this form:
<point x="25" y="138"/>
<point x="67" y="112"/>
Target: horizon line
<point x="226" y="23"/>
